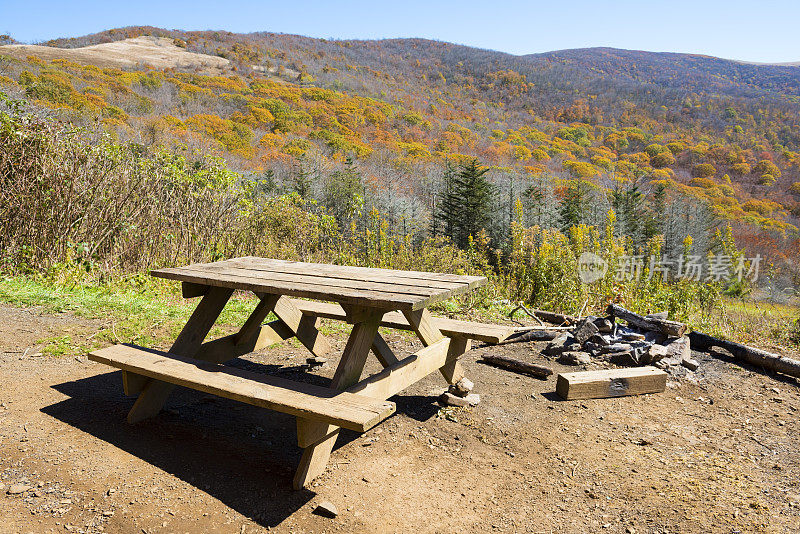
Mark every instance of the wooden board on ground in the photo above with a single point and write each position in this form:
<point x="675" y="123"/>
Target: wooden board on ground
<point x="348" y="410"/>
<point x="610" y="383"/>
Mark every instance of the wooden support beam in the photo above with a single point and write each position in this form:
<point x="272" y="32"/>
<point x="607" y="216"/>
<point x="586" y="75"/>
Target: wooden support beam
<point x="315" y="457"/>
<point x="305" y="327"/>
<point x="452" y="371"/>
<point x="422" y="323"/>
<point x="155" y="392"/>
<point x="133" y="384"/>
<point x="190" y="290"/>
<point x="611" y="383"/>
<point x="391" y="381"/>
<point x="383" y="352"/>
<point x="255" y="320"/>
<point x="227" y="348"/>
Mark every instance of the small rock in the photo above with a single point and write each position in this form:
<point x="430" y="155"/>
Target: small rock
<point x="585" y="330"/>
<point x="108" y="513"/>
<point x="473" y="399"/>
<point x="326" y="509"/>
<point x="562" y="343"/>
<point x="604" y="325"/>
<point x="316" y="361"/>
<point x="690" y="364"/>
<point x="462" y="388"/>
<point x="16" y="489"/>
<point x="680" y="349"/>
<point x="111" y="491"/>
<point x="448" y="399"/>
<point x="794" y="500"/>
<point x="575" y="358"/>
<point x="657" y="353"/>
<point x="624" y="358"/>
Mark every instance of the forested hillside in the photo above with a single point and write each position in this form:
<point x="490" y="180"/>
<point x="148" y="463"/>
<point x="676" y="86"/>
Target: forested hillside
<point x="651" y="144"/>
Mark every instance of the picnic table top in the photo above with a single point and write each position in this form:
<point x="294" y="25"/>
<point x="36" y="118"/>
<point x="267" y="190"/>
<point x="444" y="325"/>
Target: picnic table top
<point x="362" y="286"/>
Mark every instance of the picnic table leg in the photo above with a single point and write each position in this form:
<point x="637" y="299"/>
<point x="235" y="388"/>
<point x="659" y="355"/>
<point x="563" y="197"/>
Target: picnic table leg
<point x="304" y="327"/>
<point x="155" y="393"/>
<point x="315" y="457"/>
<point x="429" y="334"/>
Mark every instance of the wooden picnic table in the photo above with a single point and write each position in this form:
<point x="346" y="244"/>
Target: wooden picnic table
<point x="365" y="297"/>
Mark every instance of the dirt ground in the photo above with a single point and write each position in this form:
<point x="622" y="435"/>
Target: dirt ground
<point x="715" y="453"/>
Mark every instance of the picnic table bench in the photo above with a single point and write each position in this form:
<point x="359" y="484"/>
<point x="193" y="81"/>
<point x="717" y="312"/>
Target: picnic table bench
<point x="367" y="298"/>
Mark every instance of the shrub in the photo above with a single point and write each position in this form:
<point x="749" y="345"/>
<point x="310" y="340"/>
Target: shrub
<point x="765" y="166"/>
<point x="703" y="170"/>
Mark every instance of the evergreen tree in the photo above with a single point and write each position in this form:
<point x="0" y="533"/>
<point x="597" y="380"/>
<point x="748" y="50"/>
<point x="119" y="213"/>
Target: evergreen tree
<point x="467" y="203"/>
<point x="539" y="203"/>
<point x="344" y="193"/>
<point x="445" y="207"/>
<point x="628" y="204"/>
<point x="576" y="205"/>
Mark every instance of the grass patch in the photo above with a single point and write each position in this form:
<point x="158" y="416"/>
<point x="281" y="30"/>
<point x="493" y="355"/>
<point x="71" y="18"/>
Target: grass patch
<point x="129" y="311"/>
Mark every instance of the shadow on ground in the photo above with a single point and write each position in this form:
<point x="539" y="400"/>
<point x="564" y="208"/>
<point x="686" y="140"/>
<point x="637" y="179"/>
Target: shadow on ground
<point x="243" y="455"/>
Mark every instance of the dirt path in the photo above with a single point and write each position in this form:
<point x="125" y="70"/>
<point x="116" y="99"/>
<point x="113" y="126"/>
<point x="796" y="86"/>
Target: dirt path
<point x="714" y="454"/>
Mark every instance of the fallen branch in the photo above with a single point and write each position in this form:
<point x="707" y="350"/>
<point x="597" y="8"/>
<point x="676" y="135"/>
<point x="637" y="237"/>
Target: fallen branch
<point x="526" y="310"/>
<point x="537" y="334"/>
<point x="555" y="318"/>
<point x="762" y="358"/>
<point x="666" y="327"/>
<point x="539" y="371"/>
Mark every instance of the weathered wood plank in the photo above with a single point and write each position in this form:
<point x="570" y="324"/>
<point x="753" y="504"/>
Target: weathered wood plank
<point x="421" y="278"/>
<point x="375" y="299"/>
<point x="610" y="383"/>
<point x="312" y="402"/>
<point x="338" y="283"/>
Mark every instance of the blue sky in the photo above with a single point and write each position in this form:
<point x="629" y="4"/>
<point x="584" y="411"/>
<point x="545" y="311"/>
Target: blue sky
<point x="765" y="30"/>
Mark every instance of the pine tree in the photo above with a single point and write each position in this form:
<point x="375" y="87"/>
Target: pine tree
<point x="303" y="180"/>
<point x="628" y="204"/>
<point x="576" y="205"/>
<point x="344" y="193"/>
<point x="466" y="203"/>
<point x="445" y="207"/>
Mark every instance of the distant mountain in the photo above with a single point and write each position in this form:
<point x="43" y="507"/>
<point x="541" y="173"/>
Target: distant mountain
<point x="722" y="132"/>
